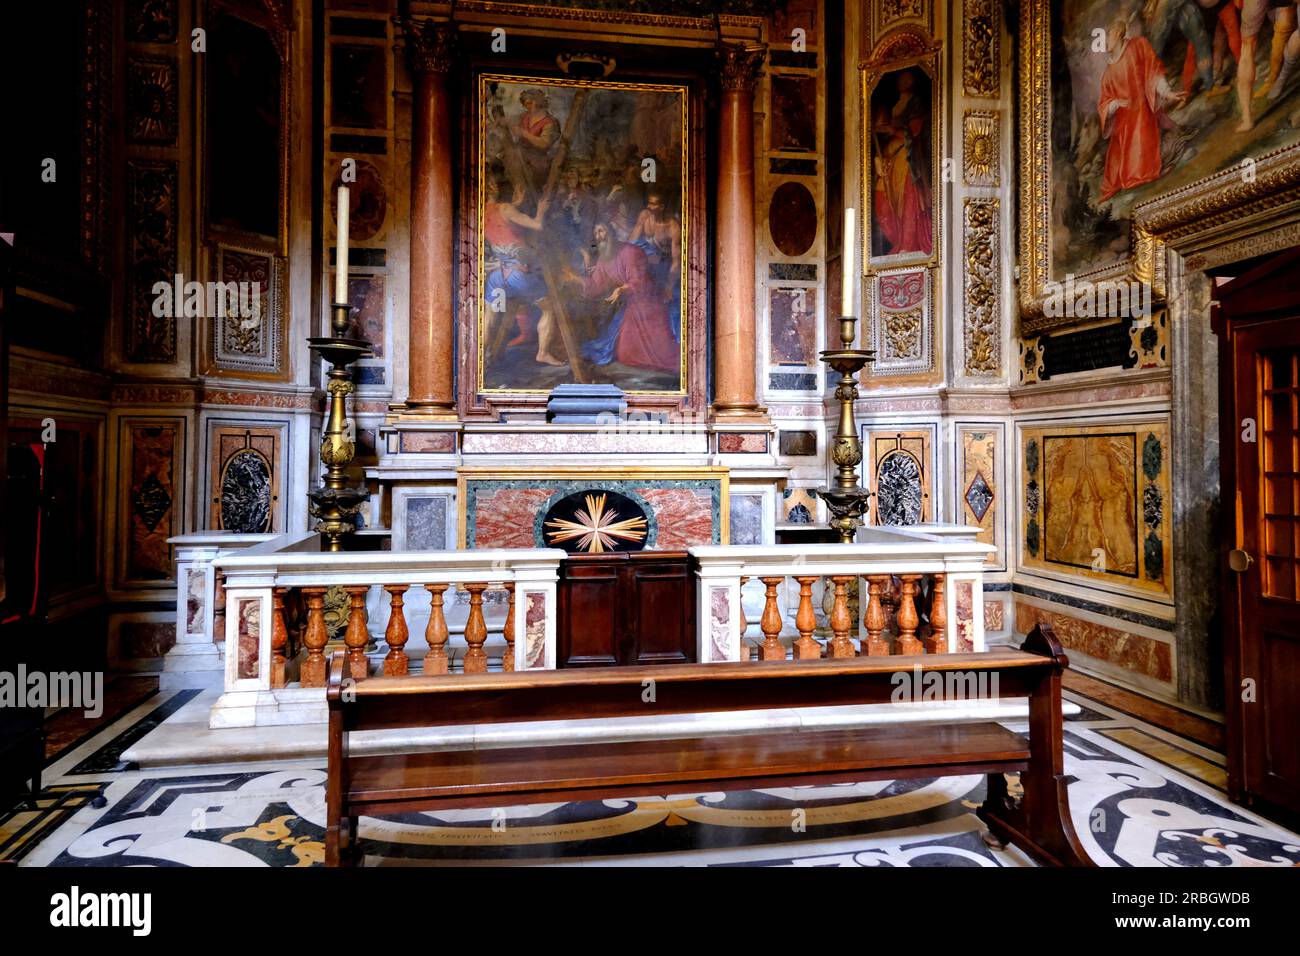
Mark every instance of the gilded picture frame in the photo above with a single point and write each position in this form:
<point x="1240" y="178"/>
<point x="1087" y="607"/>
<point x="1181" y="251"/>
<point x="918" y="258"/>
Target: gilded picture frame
<point x="1221" y="204"/>
<point x="679" y="200"/>
<point x="905" y="50"/>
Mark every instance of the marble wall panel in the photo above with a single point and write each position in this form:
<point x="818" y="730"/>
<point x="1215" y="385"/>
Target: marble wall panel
<point x="1133" y="652"/>
<point x="979" y="488"/>
<point x="152" y="452"/>
<point x="508" y="512"/>
<point x="1095" y="503"/>
<point x="798" y="506"/>
<point x="747" y="519"/>
<point x="900" y="475"/>
<point x="244" y="479"/>
<point x="792" y="338"/>
<point x="426" y="523"/>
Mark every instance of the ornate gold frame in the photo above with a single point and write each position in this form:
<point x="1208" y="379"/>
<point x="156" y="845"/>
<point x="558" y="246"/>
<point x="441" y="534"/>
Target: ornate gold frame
<point x="901" y="48"/>
<point x="1143" y="264"/>
<point x="685" y="191"/>
<point x="1215" y="208"/>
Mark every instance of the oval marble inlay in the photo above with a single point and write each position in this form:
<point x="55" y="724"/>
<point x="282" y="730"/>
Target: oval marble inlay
<point x="792" y="219"/>
<point x="898" y="487"/>
<point x="246" y="493"/>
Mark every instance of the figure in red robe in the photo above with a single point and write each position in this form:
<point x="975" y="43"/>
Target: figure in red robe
<point x="639" y="334"/>
<point x="1134" y="97"/>
<point x="902" y="205"/>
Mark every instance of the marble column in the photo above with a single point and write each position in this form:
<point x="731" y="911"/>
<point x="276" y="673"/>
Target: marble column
<point x="740" y="66"/>
<point x="429" y="47"/>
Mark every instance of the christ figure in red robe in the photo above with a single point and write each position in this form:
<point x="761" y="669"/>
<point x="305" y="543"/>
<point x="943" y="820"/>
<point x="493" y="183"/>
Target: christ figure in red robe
<point x="1134" y="98"/>
<point x="639" y="333"/>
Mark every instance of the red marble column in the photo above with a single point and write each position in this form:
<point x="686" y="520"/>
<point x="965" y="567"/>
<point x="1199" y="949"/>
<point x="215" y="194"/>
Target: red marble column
<point x="740" y="65"/>
<point x="429" y="45"/>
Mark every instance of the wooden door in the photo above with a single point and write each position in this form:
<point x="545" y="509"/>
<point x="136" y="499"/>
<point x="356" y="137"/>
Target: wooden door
<point x="1259" y="316"/>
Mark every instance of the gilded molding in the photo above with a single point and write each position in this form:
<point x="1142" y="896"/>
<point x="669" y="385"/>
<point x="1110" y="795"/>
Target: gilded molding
<point x="1145" y="262"/>
<point x="905" y="46"/>
<point x="981" y="50"/>
<point x="740" y="65"/>
<point x="430" y="44"/>
<point x="884" y="15"/>
<point x="982" y="281"/>
<point x="902" y="334"/>
<point x="981" y="148"/>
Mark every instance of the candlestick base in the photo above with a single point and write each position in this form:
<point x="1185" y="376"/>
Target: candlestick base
<point x="334" y="503"/>
<point x="846" y="500"/>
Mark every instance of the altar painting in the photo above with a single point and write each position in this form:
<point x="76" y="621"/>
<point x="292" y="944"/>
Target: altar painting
<point x="1125" y="103"/>
<point x="582" y="228"/>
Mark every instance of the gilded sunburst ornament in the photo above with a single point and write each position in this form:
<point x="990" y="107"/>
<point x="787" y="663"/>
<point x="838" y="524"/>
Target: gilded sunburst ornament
<point x="597" y="528"/>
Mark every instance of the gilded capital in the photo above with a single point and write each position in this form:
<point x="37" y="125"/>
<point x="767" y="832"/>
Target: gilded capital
<point x="430" y="44"/>
<point x="740" y="65"/>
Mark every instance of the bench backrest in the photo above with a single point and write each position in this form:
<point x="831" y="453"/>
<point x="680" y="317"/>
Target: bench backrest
<point x="459" y="699"/>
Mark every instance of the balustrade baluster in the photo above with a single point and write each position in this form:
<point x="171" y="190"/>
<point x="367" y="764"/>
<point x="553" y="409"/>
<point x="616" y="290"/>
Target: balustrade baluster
<point x="396" y="663"/>
<point x="841" y="620"/>
<point x="508" y="659"/>
<point x="357" y="636"/>
<point x="744" y="624"/>
<point x="937" y="642"/>
<point x="805" y="621"/>
<point x="279" y="637"/>
<point x="475" y="631"/>
<point x="312" y="673"/>
<point x="907" y="617"/>
<point x="770" y="624"/>
<point x="435" y="634"/>
<point x="874" y="619"/>
<point x="219" y="609"/>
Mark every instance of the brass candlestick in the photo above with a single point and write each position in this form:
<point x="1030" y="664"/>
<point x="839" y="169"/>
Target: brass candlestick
<point x="846" y="499"/>
<point x="334" y="503"/>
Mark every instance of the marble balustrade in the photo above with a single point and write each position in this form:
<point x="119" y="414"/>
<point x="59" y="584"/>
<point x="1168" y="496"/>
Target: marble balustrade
<point x="918" y="590"/>
<point x="900" y="591"/>
<point x="405" y="594"/>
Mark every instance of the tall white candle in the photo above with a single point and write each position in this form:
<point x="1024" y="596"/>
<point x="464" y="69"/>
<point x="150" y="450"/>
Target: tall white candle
<point x="341" y="249"/>
<point x="850" y="260"/>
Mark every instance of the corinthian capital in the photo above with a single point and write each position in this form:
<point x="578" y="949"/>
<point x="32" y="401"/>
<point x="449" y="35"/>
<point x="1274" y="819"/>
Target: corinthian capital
<point x="430" y="44"/>
<point x="740" y="65"/>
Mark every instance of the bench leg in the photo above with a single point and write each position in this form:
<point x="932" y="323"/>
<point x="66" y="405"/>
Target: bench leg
<point x="1038" y="822"/>
<point x="354" y="855"/>
<point x="332" y="845"/>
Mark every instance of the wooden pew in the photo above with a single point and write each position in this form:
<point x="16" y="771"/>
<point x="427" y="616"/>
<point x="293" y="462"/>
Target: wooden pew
<point x="1038" y="821"/>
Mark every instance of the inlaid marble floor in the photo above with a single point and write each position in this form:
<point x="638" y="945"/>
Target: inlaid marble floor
<point x="1140" y="797"/>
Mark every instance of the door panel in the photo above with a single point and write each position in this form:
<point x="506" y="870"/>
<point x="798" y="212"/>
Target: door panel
<point x="1267" y="364"/>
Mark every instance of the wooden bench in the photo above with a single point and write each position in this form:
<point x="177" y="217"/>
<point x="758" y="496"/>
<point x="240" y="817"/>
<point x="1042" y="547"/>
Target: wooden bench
<point x="1038" y="821"/>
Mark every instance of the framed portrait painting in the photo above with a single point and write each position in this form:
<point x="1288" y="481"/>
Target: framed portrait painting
<point x="901" y="148"/>
<point x="584" y="222"/>
<point x="1137" y="120"/>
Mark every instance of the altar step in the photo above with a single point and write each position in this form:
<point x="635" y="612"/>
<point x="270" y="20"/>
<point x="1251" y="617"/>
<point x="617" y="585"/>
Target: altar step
<point x="185" y="739"/>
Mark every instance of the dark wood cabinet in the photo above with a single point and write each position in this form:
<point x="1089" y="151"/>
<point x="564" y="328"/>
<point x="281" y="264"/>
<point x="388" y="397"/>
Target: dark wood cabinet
<point x="626" y="608"/>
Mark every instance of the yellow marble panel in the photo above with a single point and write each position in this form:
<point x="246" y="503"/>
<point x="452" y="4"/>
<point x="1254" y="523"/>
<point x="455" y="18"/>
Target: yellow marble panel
<point x="977" y="497"/>
<point x="1095" y="501"/>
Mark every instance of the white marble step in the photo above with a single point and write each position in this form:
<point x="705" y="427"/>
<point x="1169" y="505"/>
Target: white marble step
<point x="185" y="738"/>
